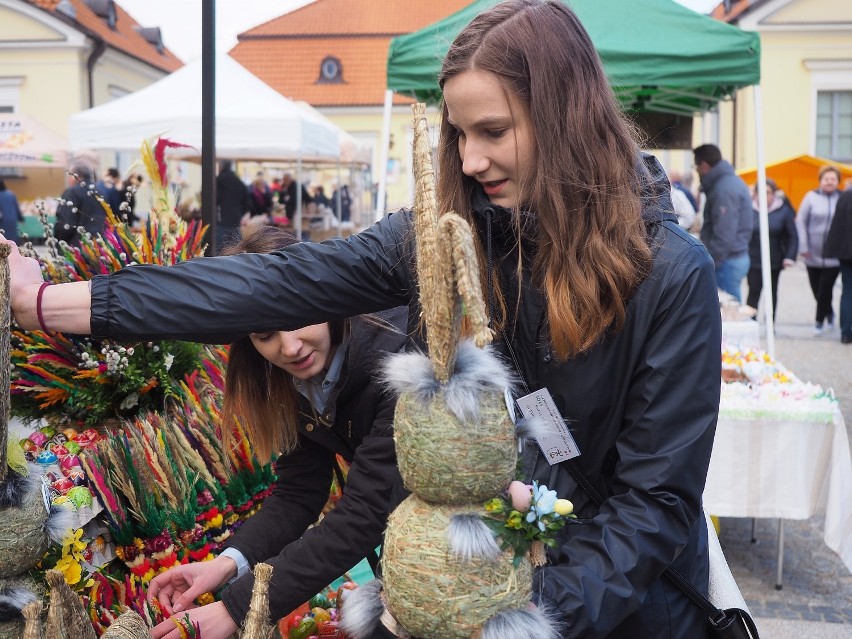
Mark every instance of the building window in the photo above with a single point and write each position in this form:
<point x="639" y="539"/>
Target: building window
<point x="104" y="9"/>
<point x="834" y="125"/>
<point x="331" y="71"/>
<point x="10" y="93"/>
<point x="8" y="171"/>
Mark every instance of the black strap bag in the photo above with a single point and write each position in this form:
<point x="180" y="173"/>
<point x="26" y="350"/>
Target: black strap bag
<point x="731" y="623"/>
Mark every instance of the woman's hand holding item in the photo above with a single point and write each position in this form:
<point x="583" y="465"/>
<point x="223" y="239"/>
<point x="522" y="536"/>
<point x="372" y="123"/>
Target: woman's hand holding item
<point x="64" y="307"/>
<point x="177" y="589"/>
<point x="213" y="621"/>
<point x="787" y="263"/>
<point x="25" y="280"/>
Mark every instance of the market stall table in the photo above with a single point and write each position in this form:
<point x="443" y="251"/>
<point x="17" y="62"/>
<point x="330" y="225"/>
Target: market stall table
<point x="789" y="469"/>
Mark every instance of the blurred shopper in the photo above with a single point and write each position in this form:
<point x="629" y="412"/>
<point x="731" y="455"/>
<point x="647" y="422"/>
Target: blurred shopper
<point x="676" y="178"/>
<point x="232" y="200"/>
<point x="10" y="213"/>
<point x="276" y="188"/>
<point x="682" y="208"/>
<point x="728" y="218"/>
<point x="320" y="198"/>
<point x="289" y="187"/>
<point x="839" y="245"/>
<point x="813" y="221"/>
<point x="79" y="208"/>
<point x="260" y="196"/>
<point x="343" y="207"/>
<point x="783" y="244"/>
<point x="109" y="188"/>
<point x="127" y="191"/>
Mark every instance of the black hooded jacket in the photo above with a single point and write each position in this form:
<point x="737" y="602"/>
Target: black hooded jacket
<point x="642" y="404"/>
<point x="359" y="428"/>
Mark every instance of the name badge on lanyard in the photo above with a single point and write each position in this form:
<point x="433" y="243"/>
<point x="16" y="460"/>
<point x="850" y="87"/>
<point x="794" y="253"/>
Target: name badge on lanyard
<point x="556" y="442"/>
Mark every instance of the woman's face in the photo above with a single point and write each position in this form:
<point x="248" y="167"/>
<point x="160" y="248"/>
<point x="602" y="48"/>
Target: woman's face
<point x="496" y="142"/>
<point x="302" y="353"/>
<point x="828" y="182"/>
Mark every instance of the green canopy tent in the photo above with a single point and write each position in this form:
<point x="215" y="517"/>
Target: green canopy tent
<point x="658" y="55"/>
<point x="665" y="63"/>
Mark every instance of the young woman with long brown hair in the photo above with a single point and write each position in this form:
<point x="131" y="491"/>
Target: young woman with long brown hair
<point x="598" y="298"/>
<point x="309" y="395"/>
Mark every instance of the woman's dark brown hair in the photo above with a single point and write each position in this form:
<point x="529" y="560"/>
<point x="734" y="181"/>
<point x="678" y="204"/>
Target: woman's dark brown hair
<point x="260" y="395"/>
<point x="591" y="249"/>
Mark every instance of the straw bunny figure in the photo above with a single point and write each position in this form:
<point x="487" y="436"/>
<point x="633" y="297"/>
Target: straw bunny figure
<point x="445" y="573"/>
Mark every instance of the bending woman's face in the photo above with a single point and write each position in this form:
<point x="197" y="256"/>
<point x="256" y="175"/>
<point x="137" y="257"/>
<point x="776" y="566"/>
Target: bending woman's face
<point x="303" y="353"/>
<point x="496" y="142"/>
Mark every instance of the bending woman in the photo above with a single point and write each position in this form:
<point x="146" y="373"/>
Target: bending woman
<point x="308" y="393"/>
<point x="598" y="296"/>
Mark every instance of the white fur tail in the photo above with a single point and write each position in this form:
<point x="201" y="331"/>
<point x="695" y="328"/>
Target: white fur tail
<point x="12" y="601"/>
<point x="361" y="610"/>
<point x="519" y="624"/>
<point x="470" y="538"/>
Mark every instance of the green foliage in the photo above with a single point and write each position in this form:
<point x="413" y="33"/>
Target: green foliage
<point x="88" y="380"/>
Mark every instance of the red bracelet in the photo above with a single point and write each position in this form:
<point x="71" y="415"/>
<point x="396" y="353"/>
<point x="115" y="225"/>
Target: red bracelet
<point x="41" y="288"/>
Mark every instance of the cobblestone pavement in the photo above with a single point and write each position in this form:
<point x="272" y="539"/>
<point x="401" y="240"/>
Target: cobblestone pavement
<point x="816" y="584"/>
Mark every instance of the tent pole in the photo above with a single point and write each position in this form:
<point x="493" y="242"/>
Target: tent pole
<point x="209" y="212"/>
<point x="383" y="155"/>
<point x="339" y="219"/>
<point x="763" y="216"/>
<point x="298" y="220"/>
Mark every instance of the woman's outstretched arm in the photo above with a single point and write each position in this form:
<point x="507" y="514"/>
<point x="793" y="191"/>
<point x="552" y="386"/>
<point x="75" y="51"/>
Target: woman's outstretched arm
<point x="64" y="307"/>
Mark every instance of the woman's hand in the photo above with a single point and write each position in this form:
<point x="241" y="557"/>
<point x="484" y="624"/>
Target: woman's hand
<point x="213" y="620"/>
<point x="177" y="589"/>
<point x="787" y="263"/>
<point x="24" y="282"/>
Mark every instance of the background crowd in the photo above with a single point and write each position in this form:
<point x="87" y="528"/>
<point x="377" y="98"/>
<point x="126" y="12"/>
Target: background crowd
<point x="819" y="234"/>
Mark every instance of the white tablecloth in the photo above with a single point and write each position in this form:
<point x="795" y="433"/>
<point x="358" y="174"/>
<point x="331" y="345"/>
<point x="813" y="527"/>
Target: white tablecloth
<point x="788" y="470"/>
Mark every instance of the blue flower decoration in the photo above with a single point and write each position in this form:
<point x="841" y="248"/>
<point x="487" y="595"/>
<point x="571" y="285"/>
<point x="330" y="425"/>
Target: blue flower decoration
<point x="542" y="504"/>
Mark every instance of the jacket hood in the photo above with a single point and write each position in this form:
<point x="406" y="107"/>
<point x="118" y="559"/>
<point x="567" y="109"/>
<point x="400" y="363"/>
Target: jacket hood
<point x="722" y="169"/>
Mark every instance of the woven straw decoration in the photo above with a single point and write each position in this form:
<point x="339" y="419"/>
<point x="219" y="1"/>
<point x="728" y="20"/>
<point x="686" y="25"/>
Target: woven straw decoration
<point x="433" y="594"/>
<point x="5" y="383"/>
<point x="257" y="624"/>
<point x="445" y="259"/>
<point x="447" y="462"/>
<point x="451" y="465"/>
<point x="23" y="539"/>
<point x="128" y="626"/>
<point x="32" y="620"/>
<point x="66" y="616"/>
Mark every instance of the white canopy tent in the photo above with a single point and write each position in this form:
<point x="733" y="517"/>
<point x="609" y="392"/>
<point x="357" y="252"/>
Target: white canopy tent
<point x="351" y="151"/>
<point x="253" y="121"/>
<point x="26" y="143"/>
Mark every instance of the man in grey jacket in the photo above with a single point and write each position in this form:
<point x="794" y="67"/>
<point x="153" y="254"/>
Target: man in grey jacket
<point x="728" y="218"/>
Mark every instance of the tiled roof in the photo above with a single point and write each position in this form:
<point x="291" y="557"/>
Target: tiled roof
<point x="124" y="37"/>
<point x="364" y="17"/>
<point x="737" y="8"/>
<point x="292" y="67"/>
<point x="287" y="51"/>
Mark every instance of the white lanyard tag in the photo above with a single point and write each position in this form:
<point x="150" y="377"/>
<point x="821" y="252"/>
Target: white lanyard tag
<point x="557" y="444"/>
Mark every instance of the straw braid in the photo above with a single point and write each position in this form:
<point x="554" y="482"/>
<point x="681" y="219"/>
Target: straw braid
<point x="467" y="274"/>
<point x="257" y="625"/>
<point x="434" y="269"/>
<point x="5" y="356"/>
